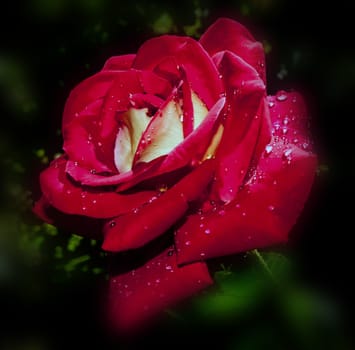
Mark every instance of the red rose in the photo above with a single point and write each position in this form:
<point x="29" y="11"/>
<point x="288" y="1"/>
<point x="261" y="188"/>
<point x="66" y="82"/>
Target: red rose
<point x="179" y="140"/>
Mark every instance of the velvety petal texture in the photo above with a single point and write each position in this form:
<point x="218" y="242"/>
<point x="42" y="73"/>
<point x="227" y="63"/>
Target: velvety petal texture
<point x="178" y="147"/>
<point x="160" y="283"/>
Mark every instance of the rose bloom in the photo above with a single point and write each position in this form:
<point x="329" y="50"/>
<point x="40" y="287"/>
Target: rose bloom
<point x="176" y="155"/>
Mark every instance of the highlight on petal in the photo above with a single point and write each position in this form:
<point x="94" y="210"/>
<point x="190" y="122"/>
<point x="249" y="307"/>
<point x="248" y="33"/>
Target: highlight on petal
<point x="70" y="198"/>
<point x="226" y="34"/>
<point x="137" y="296"/>
<point x="262" y="214"/>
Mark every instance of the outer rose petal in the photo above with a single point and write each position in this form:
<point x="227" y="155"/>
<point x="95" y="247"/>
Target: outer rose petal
<point x="289" y="118"/>
<point x="69" y="198"/>
<point x="119" y="62"/>
<point x="81" y="225"/>
<point x="263" y="213"/>
<point x="87" y="92"/>
<point x="226" y="34"/>
<point x="133" y="230"/>
<point x="200" y="70"/>
<point x="138" y="295"/>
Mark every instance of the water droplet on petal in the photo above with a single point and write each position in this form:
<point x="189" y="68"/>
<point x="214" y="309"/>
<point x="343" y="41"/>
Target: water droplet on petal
<point x="281" y="96"/>
<point x="271" y="207"/>
<point x="94" y="201"/>
<point x="284" y="130"/>
<point x="188" y="243"/>
<point x="222" y="212"/>
<point x="168" y="267"/>
<point x="207" y="231"/>
<point x="83" y="194"/>
<point x="157" y="280"/>
<point x="93" y="171"/>
<point x="287" y="152"/>
<point x="112" y="223"/>
<point x="268" y="149"/>
<point x="171" y="252"/>
<point x="271" y="104"/>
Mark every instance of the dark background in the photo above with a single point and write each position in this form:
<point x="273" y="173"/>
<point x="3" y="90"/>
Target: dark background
<point x="47" y="47"/>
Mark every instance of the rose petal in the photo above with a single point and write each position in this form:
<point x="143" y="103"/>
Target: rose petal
<point x="87" y="92"/>
<point x="118" y="99"/>
<point x="135" y="229"/>
<point x="119" y="62"/>
<point x="289" y="118"/>
<point x="200" y="70"/>
<point x="80" y="225"/>
<point x="129" y="178"/>
<point x="262" y="214"/>
<point x="80" y="142"/>
<point x="245" y="112"/>
<point x="70" y="198"/>
<point x="226" y="34"/>
<point x="138" y="295"/>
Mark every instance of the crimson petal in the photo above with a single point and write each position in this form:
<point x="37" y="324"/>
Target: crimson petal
<point x="70" y="198"/>
<point x="135" y="229"/>
<point x="262" y="214"/>
<point x="289" y="118"/>
<point x="200" y="70"/>
<point x="136" y="296"/>
<point x="80" y="225"/>
<point x="87" y="92"/>
<point x="119" y="62"/>
<point x="245" y="113"/>
<point x="226" y="34"/>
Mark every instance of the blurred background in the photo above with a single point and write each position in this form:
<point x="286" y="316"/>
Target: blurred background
<point x="50" y="281"/>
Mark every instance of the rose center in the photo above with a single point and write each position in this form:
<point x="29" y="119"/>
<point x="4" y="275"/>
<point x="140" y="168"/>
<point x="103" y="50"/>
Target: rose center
<point x="142" y="138"/>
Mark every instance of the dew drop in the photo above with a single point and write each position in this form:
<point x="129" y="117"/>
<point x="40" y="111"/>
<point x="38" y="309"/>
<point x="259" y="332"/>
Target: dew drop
<point x="168" y="267"/>
<point x="286" y="121"/>
<point x="83" y="194"/>
<point x="287" y="153"/>
<point x="170" y="252"/>
<point x="83" y="208"/>
<point x="244" y="213"/>
<point x="157" y="280"/>
<point x="113" y="223"/>
<point x="93" y="171"/>
<point x="94" y="201"/>
<point x="284" y="130"/>
<point x="207" y="231"/>
<point x="271" y="208"/>
<point x="281" y="96"/>
<point x="99" y="144"/>
<point x="268" y="149"/>
<point x="202" y="255"/>
<point x="222" y="212"/>
<point x="271" y="104"/>
<point x="188" y="243"/>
